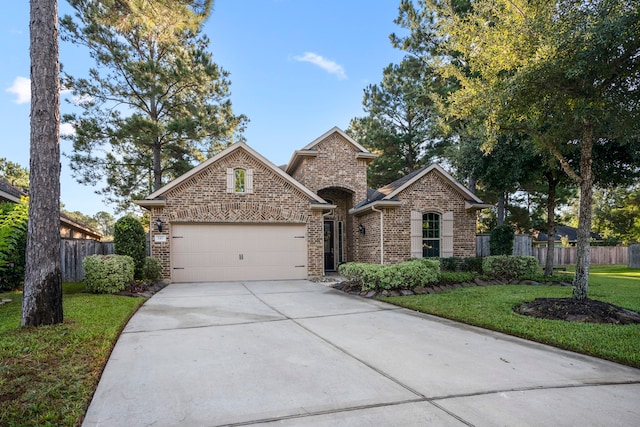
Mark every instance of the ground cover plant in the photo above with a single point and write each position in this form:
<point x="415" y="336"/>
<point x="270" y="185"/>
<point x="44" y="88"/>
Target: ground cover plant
<point x="492" y="307"/>
<point x="48" y="374"/>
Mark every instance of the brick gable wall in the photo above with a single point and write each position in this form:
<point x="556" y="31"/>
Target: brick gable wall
<point x="432" y="193"/>
<point x="335" y="166"/>
<point x="203" y="199"/>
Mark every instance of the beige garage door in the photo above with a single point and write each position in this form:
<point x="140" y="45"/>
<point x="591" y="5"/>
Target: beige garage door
<point x="206" y="252"/>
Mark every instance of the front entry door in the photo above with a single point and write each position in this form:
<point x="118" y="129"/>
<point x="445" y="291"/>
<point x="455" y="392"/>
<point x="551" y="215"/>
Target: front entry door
<point x="329" y="259"/>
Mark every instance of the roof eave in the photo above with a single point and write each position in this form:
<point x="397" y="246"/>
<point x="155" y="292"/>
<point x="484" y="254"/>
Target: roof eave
<point x="296" y="157"/>
<point x="148" y="204"/>
<point x="376" y="204"/>
<point x="476" y="206"/>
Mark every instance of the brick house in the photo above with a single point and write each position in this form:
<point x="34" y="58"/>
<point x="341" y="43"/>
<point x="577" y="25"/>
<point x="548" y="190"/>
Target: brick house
<point x="237" y="216"/>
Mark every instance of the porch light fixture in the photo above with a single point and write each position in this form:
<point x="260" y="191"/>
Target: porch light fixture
<point x="159" y="224"/>
<point x="361" y="229"/>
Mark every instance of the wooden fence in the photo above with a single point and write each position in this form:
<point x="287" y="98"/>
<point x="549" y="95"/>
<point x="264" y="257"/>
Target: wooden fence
<point x="562" y="256"/>
<point x="521" y="245"/>
<point x="598" y="255"/>
<point x="73" y="251"/>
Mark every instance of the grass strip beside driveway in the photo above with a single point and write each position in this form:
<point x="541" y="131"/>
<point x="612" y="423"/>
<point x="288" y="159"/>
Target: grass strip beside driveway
<point x="48" y="374"/>
<point x="491" y="307"/>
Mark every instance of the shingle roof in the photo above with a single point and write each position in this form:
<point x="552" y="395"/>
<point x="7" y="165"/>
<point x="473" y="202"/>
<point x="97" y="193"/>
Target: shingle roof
<point x="6" y="187"/>
<point x="570" y="233"/>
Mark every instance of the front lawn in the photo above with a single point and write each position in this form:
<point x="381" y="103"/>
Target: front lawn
<point x="48" y="374"/>
<point x="491" y="307"/>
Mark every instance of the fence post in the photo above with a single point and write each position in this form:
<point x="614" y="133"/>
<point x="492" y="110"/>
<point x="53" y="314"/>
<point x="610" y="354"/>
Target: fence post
<point x="634" y="255"/>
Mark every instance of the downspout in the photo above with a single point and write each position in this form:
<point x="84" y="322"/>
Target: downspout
<point x="373" y="208"/>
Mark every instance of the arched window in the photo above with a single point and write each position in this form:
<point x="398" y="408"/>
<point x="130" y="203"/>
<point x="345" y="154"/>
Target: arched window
<point x="431" y="234"/>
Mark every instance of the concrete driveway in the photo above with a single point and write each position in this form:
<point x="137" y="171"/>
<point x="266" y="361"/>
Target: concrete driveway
<point x="296" y="353"/>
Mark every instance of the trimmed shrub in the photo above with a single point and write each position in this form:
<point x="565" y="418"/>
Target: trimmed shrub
<point x="129" y="239"/>
<point x="472" y="264"/>
<point x="510" y="267"/>
<point x="469" y="264"/>
<point x="501" y="240"/>
<point x="107" y="274"/>
<point x="450" y="264"/>
<point x="152" y="269"/>
<point x="449" y="277"/>
<point x="417" y="272"/>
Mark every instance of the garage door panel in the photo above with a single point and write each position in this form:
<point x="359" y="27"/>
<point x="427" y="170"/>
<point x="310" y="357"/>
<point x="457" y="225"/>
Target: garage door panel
<point x="216" y="252"/>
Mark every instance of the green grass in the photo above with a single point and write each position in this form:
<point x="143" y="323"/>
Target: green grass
<point x="48" y="374"/>
<point x="491" y="307"/>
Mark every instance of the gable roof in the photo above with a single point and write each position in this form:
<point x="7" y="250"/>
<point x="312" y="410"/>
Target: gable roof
<point x="10" y="192"/>
<point x="154" y="199"/>
<point x="389" y="192"/>
<point x="309" y="150"/>
<point x="564" y="230"/>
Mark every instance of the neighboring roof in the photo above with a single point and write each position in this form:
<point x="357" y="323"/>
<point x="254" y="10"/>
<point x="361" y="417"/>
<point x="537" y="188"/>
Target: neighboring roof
<point x="10" y="192"/>
<point x="73" y="224"/>
<point x="309" y="150"/>
<point x="156" y="199"/>
<point x="389" y="192"/>
<point x="570" y="233"/>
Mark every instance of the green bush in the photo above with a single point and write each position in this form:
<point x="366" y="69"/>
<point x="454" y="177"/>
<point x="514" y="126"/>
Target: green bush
<point x="107" y="274"/>
<point x="468" y="264"/>
<point x="417" y="272"/>
<point x="501" y="240"/>
<point x="510" y="267"/>
<point x="13" y="244"/>
<point x="129" y="239"/>
<point x="448" y="277"/>
<point x="152" y="269"/>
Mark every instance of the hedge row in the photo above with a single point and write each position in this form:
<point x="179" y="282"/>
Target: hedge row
<point x="424" y="272"/>
<point x="418" y="272"/>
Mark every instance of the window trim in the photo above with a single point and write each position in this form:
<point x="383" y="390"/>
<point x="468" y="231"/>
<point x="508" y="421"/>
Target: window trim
<point x="432" y="239"/>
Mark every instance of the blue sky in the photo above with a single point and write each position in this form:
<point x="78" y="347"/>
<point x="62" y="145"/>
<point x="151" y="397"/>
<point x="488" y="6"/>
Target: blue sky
<point x="298" y="68"/>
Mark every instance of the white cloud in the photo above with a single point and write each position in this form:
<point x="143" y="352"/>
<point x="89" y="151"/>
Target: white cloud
<point x="67" y="129"/>
<point x="22" y="88"/>
<point x="322" y="62"/>
<point x="82" y="99"/>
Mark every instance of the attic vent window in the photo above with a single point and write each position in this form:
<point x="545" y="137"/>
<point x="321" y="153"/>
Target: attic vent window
<point x="239" y="180"/>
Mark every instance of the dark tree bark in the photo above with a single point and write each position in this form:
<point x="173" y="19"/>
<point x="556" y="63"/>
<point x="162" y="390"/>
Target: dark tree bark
<point x="42" y="298"/>
<point x="581" y="280"/>
<point x="552" y="181"/>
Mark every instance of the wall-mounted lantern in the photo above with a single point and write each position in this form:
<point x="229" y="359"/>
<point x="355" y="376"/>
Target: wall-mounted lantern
<point x="159" y="224"/>
<point x="361" y="229"/>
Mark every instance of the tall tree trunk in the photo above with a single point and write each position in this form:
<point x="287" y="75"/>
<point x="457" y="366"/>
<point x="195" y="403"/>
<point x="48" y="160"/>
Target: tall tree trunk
<point x="551" y="223"/>
<point x="42" y="297"/>
<point x="581" y="280"/>
<point x="157" y="165"/>
<point x="472" y="185"/>
<point x="501" y="208"/>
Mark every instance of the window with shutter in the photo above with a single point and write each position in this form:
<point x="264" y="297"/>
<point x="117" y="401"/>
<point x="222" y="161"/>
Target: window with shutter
<point x="416" y="234"/>
<point x="447" y="235"/>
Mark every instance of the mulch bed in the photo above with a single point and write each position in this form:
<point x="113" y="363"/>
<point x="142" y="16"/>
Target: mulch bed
<point x="573" y="310"/>
<point x="142" y="289"/>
